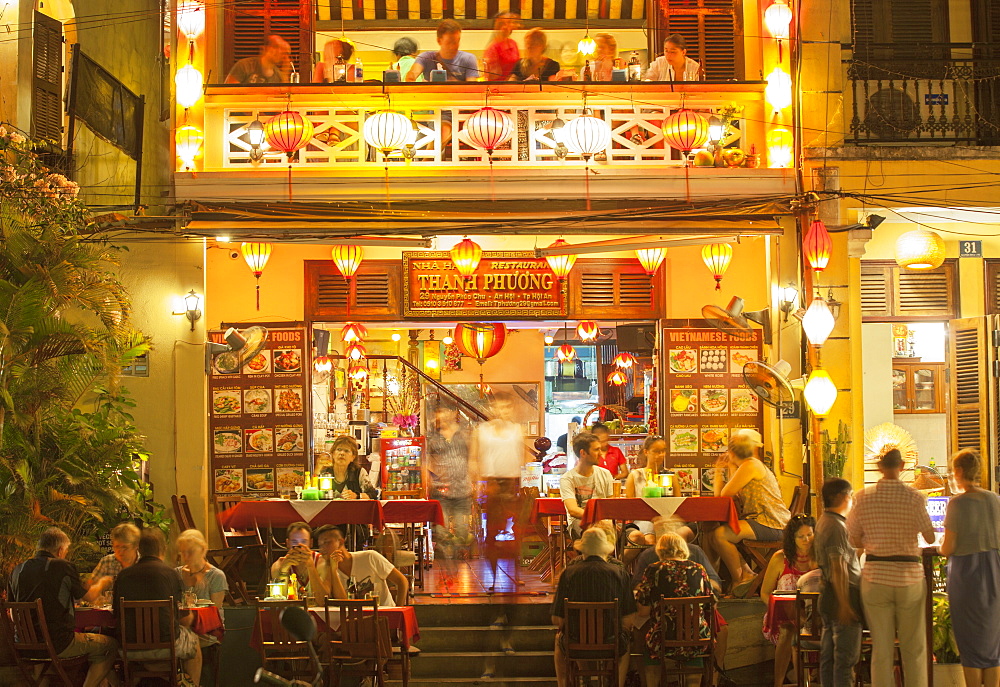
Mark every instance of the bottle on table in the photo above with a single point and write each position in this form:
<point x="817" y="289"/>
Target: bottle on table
<point x="339" y="70"/>
<point x="634" y="67"/>
<point x="359" y="71"/>
<point x="588" y="74"/>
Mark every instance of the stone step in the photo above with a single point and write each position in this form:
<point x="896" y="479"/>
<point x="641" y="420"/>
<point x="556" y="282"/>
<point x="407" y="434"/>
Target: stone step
<point x="473" y="664"/>
<point x="451" y="639"/>
<point x="474" y="615"/>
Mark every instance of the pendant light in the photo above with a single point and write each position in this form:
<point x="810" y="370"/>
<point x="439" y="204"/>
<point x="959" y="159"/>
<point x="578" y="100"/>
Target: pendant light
<point x="190" y="84"/>
<point x="820" y="392"/>
<point x="188" y="141"/>
<point x="617" y="377"/>
<point x="920" y="250"/>
<point x="817" y="246"/>
<point x="717" y="257"/>
<point x="566" y="353"/>
<point x="353" y="331"/>
<point x="488" y="128"/>
<point x="625" y="360"/>
<point x="256" y="256"/>
<point x="587" y="331"/>
<point x="587" y="135"/>
<point x="356" y="351"/>
<point x="561" y="265"/>
<point x="466" y="255"/>
<point x="651" y="259"/>
<point x="818" y="321"/>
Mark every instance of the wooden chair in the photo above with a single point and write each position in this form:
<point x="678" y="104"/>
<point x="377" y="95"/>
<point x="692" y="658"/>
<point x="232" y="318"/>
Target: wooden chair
<point x="593" y="652"/>
<point x="413" y="536"/>
<point x="758" y="553"/>
<point x="365" y="646"/>
<point x="863" y="671"/>
<point x="688" y="613"/>
<point x="807" y="626"/>
<point x="243" y="546"/>
<point x="31" y="643"/>
<point x="280" y="652"/>
<point x="140" y="631"/>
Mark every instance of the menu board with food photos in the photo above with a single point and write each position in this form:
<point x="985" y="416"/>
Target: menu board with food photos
<point x="706" y="399"/>
<point x="257" y="411"/>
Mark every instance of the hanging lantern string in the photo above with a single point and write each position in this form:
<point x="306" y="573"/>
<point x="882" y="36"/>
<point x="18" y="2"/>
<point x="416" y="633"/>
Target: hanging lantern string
<point x="258" y="293"/>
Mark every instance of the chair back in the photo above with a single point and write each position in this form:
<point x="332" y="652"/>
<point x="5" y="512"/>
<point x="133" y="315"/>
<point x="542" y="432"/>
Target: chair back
<point x="231" y="536"/>
<point x="687" y="615"/>
<point x="31" y="632"/>
<point x="363" y="633"/>
<point x="275" y="636"/>
<point x="799" y="499"/>
<point x="182" y="511"/>
<point x="403" y="494"/>
<point x="596" y="626"/>
<point x="806" y="620"/>
<point x="141" y="629"/>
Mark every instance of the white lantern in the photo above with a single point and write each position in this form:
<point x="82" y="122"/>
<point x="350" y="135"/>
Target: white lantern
<point x="818" y="322"/>
<point x="778" y="18"/>
<point x="779" y="89"/>
<point x="919" y="250"/>
<point x="820" y="392"/>
<point x="488" y="128"/>
<point x="387" y="131"/>
<point x="191" y="18"/>
<point x="587" y="135"/>
<point x="189" y="84"/>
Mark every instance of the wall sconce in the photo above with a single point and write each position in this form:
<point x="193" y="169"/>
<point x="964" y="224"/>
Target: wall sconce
<point x="192" y="308"/>
<point x="255" y="137"/>
<point x="789" y="299"/>
<point x="833" y="304"/>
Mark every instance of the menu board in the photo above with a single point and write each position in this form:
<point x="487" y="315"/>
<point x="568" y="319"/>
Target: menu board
<point x="706" y="400"/>
<point x="257" y="425"/>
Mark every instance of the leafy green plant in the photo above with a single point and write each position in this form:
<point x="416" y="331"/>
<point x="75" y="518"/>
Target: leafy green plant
<point x="945" y="649"/>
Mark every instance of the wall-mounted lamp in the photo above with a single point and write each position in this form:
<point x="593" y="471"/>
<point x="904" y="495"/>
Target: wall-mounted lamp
<point x="192" y="308"/>
<point x="789" y="299"/>
<point x="833" y="304"/>
<point x="255" y="137"/>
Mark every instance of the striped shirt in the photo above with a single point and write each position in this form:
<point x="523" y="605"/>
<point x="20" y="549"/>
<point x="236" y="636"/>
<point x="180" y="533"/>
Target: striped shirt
<point x="886" y="520"/>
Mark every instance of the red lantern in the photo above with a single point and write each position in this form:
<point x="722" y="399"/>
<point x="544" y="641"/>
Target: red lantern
<point x="588" y="331"/>
<point x="466" y="255"/>
<point x="566" y="353"/>
<point x="480" y="340"/>
<point x="353" y="331"/>
<point x="817" y="245"/>
<point x="561" y="265"/>
<point x="685" y="130"/>
<point x="625" y="360"/>
<point x="488" y="128"/>
<point x="617" y="377"/>
<point x="288" y="131"/>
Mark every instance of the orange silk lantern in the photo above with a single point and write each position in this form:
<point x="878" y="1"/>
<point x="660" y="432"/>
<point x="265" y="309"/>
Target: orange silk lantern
<point x="817" y="245"/>
<point x="488" y="128"/>
<point x="466" y="255"/>
<point x="561" y="265"/>
<point x="625" y="360"/>
<point x="256" y="256"/>
<point x="717" y="257"/>
<point x="588" y="331"/>
<point x="651" y="259"/>
<point x="566" y="353"/>
<point x="353" y="331"/>
<point x="618" y="377"/>
<point x="480" y="340"/>
<point x="685" y="130"/>
<point x="288" y="131"/>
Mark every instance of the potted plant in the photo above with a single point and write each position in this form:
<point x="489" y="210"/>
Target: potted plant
<point x="947" y="670"/>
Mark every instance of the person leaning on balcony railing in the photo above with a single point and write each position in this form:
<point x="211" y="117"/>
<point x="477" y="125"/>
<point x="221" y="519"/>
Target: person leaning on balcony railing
<point x="535" y="66"/>
<point x="332" y="49"/>
<point x="604" y="59"/>
<point x="501" y="53"/>
<point x="271" y="66"/>
<point x="405" y="52"/>
<point x="457" y="64"/>
<point x="674" y="64"/>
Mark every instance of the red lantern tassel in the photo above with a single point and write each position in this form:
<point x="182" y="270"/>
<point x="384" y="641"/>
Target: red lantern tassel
<point x="289" y="181"/>
<point x="586" y="182"/>
<point x="258" y="293"/>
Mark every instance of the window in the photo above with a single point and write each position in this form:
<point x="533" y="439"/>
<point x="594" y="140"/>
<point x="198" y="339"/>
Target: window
<point x="889" y="293"/>
<point x="377" y="289"/>
<point x="46" y="84"/>
<point x="898" y="29"/>
<point x="612" y="288"/>
<point x="713" y="30"/>
<point x="250" y="22"/>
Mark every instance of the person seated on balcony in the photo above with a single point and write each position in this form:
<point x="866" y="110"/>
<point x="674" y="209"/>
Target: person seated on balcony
<point x="457" y="64"/>
<point x="535" y="66"/>
<point x="332" y="49"/>
<point x="501" y="53"/>
<point x="674" y="64"/>
<point x="359" y="574"/>
<point x="405" y="51"/>
<point x="603" y="61"/>
<point x="271" y="66"/>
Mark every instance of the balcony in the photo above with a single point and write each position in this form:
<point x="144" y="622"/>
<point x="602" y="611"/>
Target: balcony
<point x="637" y="163"/>
<point x="924" y="94"/>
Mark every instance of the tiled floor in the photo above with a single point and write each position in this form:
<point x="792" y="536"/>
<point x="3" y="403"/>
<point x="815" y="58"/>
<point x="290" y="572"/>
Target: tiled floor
<point x="472" y="581"/>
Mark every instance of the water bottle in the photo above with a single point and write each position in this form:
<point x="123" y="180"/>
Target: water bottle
<point x="634" y="67"/>
<point x="359" y="71"/>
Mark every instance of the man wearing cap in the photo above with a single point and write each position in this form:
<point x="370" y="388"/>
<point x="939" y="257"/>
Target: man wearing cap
<point x="885" y="522"/>
<point x="591" y="580"/>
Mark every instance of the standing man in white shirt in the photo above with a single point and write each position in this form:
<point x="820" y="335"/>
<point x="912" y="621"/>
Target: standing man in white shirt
<point x="587" y="480"/>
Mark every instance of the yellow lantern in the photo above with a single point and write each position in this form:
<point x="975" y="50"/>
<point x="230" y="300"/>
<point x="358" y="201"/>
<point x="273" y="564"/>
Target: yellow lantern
<point x="189" y="84"/>
<point x="779" y="148"/>
<point x="820" y="392"/>
<point x="717" y="257"/>
<point x="566" y="353"/>
<point x="354" y="331"/>
<point x="356" y="351"/>
<point x="587" y="46"/>
<point x="256" y="256"/>
<point x="919" y="250"/>
<point x="778" y="91"/>
<point x="561" y="265"/>
<point x="191" y="18"/>
<point x="651" y="258"/>
<point x="588" y="331"/>
<point x="188" y="140"/>
<point x="347" y="259"/>
<point x="617" y="377"/>
<point x="466" y="255"/>
<point x="818" y="321"/>
<point x="288" y="131"/>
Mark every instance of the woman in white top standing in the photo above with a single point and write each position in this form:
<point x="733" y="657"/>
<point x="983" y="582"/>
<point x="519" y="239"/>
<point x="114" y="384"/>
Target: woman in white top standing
<point x="674" y="64"/>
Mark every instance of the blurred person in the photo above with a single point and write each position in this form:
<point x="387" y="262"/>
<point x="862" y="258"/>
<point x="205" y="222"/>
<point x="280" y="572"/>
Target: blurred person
<point x="654" y="450"/>
<point x="273" y="65"/>
<point x="451" y="480"/>
<point x="562" y="443"/>
<point x="784" y="570"/>
<point x="535" y="66"/>
<point x="840" y="589"/>
<point x="587" y="480"/>
<point x="885" y="521"/>
<point x="350" y="480"/>
<point x="405" y="52"/>
<point x="150" y="579"/>
<point x="591" y="580"/>
<point x="300" y="560"/>
<point x="501" y="53"/>
<point x="673" y="576"/>
<point x="764" y="514"/>
<point x="53" y="579"/>
<point x="359" y="573"/>
<point x="603" y="61"/>
<point x="612" y="460"/>
<point x="332" y="50"/>
<point x="972" y="545"/>
<point x="125" y="544"/>
<point x="459" y="65"/>
<point x="197" y="574"/>
<point x="674" y="64"/>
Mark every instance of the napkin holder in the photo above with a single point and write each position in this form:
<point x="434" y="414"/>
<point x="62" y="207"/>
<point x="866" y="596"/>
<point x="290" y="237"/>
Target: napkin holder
<point x="391" y="76"/>
<point x="311" y="494"/>
<point x="439" y="75"/>
<point x="619" y="76"/>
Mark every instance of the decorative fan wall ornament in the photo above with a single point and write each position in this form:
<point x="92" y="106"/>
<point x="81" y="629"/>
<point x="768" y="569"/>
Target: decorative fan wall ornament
<point x="886" y="436"/>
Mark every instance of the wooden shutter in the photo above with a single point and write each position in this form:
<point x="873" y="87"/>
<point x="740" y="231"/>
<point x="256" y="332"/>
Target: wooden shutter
<point x="613" y="288"/>
<point x="889" y="292"/>
<point x="713" y="30"/>
<point x="378" y="285"/>
<point x="992" y="286"/>
<point x="250" y="22"/>
<point x="46" y="80"/>
<point x="969" y="416"/>
<point x="898" y="29"/>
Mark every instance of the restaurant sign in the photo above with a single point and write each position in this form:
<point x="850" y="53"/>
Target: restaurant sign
<point x="514" y="284"/>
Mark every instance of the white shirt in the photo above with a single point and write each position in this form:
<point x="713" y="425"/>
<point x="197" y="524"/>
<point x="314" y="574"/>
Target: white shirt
<point x="369" y="570"/>
<point x="501" y="449"/>
<point x="661" y="70"/>
<point x="573" y="485"/>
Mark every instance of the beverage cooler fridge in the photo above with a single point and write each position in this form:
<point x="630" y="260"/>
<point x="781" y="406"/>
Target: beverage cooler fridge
<point x="403" y="466"/>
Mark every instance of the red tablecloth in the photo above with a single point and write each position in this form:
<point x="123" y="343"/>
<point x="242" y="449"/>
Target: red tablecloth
<point x="281" y="513"/>
<point x="413" y="510"/>
<point x="780" y="611"/>
<point x="544" y="507"/>
<point x="693" y="509"/>
<point x="401" y="618"/>
<point x="207" y="620"/>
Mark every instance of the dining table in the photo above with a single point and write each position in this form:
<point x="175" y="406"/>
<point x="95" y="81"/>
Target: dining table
<point x="102" y="620"/>
<point x="686" y="508"/>
<point x="552" y="511"/>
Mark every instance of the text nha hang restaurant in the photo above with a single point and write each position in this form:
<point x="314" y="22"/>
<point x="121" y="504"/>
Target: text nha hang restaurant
<point x="364" y="336"/>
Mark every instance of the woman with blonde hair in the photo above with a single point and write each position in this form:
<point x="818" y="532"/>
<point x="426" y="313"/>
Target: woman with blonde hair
<point x="535" y="66"/>
<point x="603" y="61"/>
<point x="501" y="53"/>
<point x="197" y="574"/>
<point x="334" y="49"/>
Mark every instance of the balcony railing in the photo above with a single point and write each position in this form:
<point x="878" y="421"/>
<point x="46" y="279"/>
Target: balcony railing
<point x="925" y="94"/>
